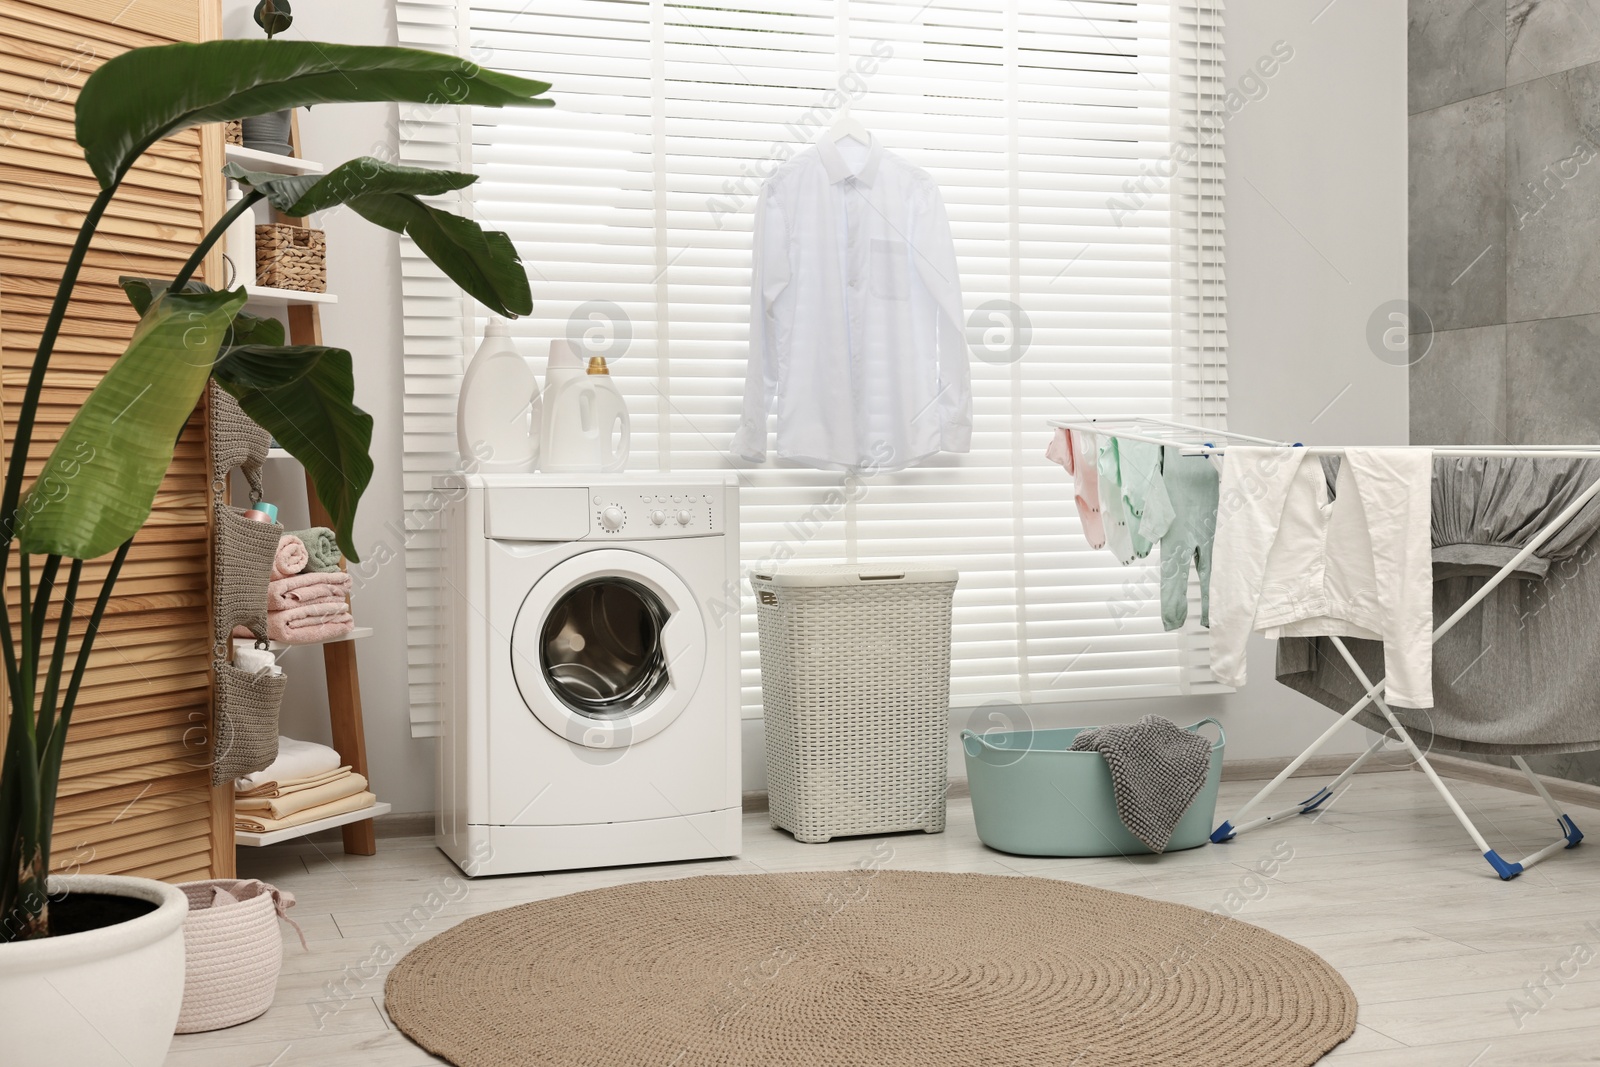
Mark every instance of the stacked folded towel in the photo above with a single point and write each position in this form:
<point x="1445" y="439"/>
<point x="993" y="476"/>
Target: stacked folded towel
<point x="305" y="783"/>
<point x="322" y="548"/>
<point x="307" y="598"/>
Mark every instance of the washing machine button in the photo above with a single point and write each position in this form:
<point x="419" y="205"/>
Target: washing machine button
<point x="612" y="518"/>
<point x="658" y="517"/>
<point x="684" y="518"/>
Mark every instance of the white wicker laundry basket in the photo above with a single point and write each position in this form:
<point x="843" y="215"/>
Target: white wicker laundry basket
<point x="855" y="683"/>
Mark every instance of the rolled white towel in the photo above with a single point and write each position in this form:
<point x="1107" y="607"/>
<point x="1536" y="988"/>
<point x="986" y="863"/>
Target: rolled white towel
<point x="296" y="759"/>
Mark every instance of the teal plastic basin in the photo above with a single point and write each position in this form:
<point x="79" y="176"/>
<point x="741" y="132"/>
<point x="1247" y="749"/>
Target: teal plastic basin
<point x="1033" y="797"/>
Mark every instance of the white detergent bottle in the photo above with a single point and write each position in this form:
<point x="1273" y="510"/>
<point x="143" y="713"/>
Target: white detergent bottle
<point x="498" y="413"/>
<point x="586" y="423"/>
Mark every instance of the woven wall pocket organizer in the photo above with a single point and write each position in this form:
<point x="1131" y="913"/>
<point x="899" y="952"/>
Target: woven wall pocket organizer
<point x="242" y="551"/>
<point x="291" y="257"/>
<point x="247" y="721"/>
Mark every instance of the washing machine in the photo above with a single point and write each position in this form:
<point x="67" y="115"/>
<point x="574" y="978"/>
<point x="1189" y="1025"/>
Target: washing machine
<point x="592" y="714"/>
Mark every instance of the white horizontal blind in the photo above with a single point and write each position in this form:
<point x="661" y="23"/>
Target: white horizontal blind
<point x="631" y="203"/>
<point x="436" y="338"/>
<point x="1201" y="345"/>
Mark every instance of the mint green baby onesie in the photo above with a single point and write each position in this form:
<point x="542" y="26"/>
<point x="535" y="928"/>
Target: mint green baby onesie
<point x="1191" y="489"/>
<point x="1133" y="498"/>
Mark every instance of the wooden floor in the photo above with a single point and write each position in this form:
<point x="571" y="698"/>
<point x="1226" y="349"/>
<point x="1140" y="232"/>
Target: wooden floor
<point x="1384" y="885"/>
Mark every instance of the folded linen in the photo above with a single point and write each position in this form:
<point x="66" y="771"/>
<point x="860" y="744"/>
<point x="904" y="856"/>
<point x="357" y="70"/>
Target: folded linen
<point x="283" y="807"/>
<point x="308" y="588"/>
<point x="290" y="785"/>
<point x="296" y="759"/>
<point x="291" y="557"/>
<point x="307" y="623"/>
<point x="322" y="547"/>
<point x="259" y="824"/>
<point x="310" y="631"/>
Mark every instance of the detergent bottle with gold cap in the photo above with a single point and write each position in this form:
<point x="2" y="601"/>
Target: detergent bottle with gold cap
<point x="586" y="425"/>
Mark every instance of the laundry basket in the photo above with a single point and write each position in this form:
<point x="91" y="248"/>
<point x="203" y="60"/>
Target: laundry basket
<point x="855" y="683"/>
<point x="1033" y="796"/>
<point x="232" y="951"/>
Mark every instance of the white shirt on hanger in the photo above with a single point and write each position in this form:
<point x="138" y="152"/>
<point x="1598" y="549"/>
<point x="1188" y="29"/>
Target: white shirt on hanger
<point x="856" y="327"/>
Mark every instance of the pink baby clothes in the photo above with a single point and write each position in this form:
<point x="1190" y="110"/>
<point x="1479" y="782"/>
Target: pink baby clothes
<point x="1078" y="454"/>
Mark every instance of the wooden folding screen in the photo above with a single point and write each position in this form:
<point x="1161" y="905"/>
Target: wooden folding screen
<point x="135" y="796"/>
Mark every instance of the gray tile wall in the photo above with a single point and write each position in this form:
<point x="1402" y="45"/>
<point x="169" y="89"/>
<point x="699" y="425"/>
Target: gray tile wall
<point x="1504" y="99"/>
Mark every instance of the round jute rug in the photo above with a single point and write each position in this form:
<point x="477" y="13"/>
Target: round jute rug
<point x="864" y="967"/>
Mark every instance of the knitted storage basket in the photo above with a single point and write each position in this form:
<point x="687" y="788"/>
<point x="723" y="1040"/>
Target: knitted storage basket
<point x="241" y="568"/>
<point x="855" y="691"/>
<point x="291" y="257"/>
<point x="236" y="441"/>
<point x="232" y="952"/>
<point x="247" y="707"/>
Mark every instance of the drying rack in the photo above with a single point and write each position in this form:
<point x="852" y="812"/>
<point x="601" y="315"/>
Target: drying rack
<point x="1202" y="440"/>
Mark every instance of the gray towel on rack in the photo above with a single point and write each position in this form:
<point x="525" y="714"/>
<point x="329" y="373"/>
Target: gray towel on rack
<point x="1518" y="674"/>
<point x="1156" y="770"/>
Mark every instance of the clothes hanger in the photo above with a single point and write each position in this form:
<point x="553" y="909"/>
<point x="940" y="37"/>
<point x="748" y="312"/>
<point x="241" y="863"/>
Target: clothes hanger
<point x="846" y="125"/>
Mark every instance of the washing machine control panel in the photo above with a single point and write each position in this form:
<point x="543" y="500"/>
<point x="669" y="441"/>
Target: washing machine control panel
<point x="655" y="511"/>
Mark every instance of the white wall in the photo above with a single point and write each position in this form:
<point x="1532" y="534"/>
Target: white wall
<point x="364" y="270"/>
<point x="1316" y="230"/>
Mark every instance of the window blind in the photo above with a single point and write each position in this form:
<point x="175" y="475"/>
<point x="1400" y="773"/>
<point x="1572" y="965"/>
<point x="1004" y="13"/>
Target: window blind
<point x="1088" y="243"/>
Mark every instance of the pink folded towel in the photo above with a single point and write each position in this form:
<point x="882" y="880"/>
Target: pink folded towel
<point x="308" y="631"/>
<point x="309" y="588"/>
<point x="292" y="557"/>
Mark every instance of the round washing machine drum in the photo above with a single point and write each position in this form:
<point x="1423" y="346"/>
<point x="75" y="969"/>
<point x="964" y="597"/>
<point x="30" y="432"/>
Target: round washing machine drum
<point x="608" y="648"/>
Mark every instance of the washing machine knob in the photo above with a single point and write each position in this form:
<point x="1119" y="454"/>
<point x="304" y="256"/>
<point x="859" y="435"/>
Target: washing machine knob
<point x="658" y="517"/>
<point x="612" y="518"/>
<point x="683" y="518"/>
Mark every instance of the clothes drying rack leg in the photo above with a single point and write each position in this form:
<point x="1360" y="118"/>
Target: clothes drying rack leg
<point x="1570" y="834"/>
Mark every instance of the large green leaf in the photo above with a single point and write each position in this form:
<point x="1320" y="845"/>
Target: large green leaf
<point x="247" y="329"/>
<point x="304" y="395"/>
<point x="96" y="489"/>
<point x="141" y="96"/>
<point x="484" y="263"/>
<point x="299" y="195"/>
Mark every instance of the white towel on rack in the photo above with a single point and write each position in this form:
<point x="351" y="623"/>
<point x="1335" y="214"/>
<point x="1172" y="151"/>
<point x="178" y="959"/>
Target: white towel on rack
<point x="1294" y="559"/>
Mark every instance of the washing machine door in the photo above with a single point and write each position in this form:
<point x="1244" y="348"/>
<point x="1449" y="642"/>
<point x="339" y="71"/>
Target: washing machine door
<point x="608" y="648"/>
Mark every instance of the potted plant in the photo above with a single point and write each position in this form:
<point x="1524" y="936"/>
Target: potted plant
<point x="91" y="964"/>
<point x="271" y="132"/>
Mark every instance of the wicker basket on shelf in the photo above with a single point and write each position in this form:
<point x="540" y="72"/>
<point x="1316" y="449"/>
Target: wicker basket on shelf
<point x="233" y="132"/>
<point x="291" y="257"/>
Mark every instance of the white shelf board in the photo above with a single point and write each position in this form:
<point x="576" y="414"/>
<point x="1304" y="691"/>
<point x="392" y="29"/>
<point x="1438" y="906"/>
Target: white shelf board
<point x="264" y="298"/>
<point x="252" y="159"/>
<point x="278" y="646"/>
<point x="279" y="453"/>
<point x="245" y="837"/>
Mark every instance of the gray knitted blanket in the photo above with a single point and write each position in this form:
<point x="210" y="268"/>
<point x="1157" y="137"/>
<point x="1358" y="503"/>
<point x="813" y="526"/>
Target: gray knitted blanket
<point x="1156" y="770"/>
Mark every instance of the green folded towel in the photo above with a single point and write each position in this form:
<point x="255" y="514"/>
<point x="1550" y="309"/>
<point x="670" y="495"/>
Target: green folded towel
<point x="322" y="547"/>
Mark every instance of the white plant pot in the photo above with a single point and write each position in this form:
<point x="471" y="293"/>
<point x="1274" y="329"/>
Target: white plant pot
<point x="102" y="997"/>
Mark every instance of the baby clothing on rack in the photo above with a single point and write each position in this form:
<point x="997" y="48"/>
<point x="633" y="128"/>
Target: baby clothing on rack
<point x="1079" y="454"/>
<point x="1296" y="556"/>
<point x="1133" y="498"/>
<point x="1191" y="486"/>
<point x="1517" y="676"/>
